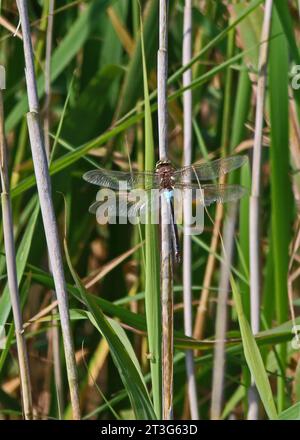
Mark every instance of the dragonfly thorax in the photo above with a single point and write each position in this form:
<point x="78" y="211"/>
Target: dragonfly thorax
<point x="165" y="171"/>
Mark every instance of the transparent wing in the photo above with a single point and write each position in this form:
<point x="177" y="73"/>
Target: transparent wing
<point x="112" y="206"/>
<point x="208" y="194"/>
<point x="208" y="171"/>
<point x="133" y="206"/>
<point x="112" y="179"/>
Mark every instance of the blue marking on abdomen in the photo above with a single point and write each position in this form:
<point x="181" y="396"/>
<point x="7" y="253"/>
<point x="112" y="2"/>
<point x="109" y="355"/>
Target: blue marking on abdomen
<point x="169" y="194"/>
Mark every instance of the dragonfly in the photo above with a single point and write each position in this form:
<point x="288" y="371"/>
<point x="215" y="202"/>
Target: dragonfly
<point x="167" y="180"/>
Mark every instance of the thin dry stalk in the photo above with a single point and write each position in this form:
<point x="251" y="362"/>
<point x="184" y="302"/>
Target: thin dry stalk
<point x="209" y="271"/>
<point x="187" y="254"/>
<point x="162" y="75"/>
<point x="47" y="210"/>
<point x="49" y="37"/>
<point x="54" y="335"/>
<point x="166" y="257"/>
<point x="228" y="246"/>
<point x="11" y="265"/>
<point x="221" y="318"/>
<point x="11" y="28"/>
<point x="254" y="221"/>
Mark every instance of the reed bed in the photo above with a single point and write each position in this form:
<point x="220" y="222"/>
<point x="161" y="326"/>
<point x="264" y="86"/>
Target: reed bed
<point x="99" y="323"/>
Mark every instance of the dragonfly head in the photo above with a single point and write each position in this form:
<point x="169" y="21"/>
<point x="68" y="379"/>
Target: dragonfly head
<point x="162" y="163"/>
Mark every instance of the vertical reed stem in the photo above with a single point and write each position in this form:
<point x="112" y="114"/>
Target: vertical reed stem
<point x="166" y="255"/>
<point x="208" y="275"/>
<point x="11" y="264"/>
<point x="221" y="318"/>
<point x="49" y="37"/>
<point x="254" y="220"/>
<point x="55" y="335"/>
<point x="54" y="331"/>
<point x="228" y="232"/>
<point x="162" y="76"/>
<point x="187" y="254"/>
<point x="47" y="210"/>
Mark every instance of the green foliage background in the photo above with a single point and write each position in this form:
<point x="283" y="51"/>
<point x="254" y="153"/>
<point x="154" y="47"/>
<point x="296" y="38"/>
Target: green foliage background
<point x="100" y="115"/>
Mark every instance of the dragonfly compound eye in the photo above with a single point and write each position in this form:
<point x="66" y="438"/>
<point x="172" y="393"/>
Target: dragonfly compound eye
<point x="163" y="162"/>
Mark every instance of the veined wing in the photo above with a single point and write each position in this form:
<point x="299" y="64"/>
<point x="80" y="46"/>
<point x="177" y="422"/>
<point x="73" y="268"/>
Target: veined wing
<point x="211" y="170"/>
<point x="131" y="180"/>
<point x="112" y="205"/>
<point x="143" y="206"/>
<point x="207" y="194"/>
<point x="133" y="205"/>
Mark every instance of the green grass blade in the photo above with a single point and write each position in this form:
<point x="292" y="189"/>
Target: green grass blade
<point x="280" y="182"/>
<point x="253" y="357"/>
<point x="152" y="278"/>
<point x="233" y="401"/>
<point x="268" y="303"/>
<point x="82" y="122"/>
<point x="291" y="413"/>
<point x="63" y="55"/>
<point x="127" y="367"/>
<point x="132" y="88"/>
<point x="21" y="261"/>
<point x="72" y="157"/>
<point x="273" y="336"/>
<point x="287" y="26"/>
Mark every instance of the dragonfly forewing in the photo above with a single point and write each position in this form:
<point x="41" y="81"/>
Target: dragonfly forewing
<point x="119" y="180"/>
<point x="209" y="171"/>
